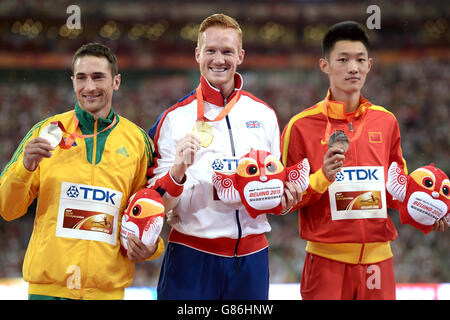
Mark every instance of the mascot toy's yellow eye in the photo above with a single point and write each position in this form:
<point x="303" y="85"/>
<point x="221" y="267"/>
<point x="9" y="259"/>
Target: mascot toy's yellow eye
<point x="273" y="165"/>
<point x="247" y="167"/>
<point x="424" y="178"/>
<point x="445" y="188"/>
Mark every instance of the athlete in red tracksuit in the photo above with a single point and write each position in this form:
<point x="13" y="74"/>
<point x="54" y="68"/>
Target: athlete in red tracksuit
<point x="343" y="214"/>
<point x="357" y="236"/>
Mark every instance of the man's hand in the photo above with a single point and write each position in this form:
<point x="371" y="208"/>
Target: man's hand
<point x="185" y="151"/>
<point x="440" y="225"/>
<point x="35" y="150"/>
<point x="137" y="251"/>
<point x="333" y="160"/>
<point x="173" y="218"/>
<point x="292" y="195"/>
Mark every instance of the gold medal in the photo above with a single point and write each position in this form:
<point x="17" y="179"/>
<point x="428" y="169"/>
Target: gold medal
<point x="203" y="129"/>
<point x="204" y="132"/>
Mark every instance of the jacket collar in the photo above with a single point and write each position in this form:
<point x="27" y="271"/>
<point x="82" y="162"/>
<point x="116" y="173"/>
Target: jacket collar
<point x="214" y="96"/>
<point x="336" y="109"/>
<point x="87" y="121"/>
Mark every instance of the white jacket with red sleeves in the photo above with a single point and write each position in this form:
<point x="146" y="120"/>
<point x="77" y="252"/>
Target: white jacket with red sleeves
<point x="208" y="224"/>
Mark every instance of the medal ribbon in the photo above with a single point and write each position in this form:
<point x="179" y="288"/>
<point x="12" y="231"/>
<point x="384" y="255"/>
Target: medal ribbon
<point x="328" y="129"/>
<point x="66" y="144"/>
<point x="222" y="114"/>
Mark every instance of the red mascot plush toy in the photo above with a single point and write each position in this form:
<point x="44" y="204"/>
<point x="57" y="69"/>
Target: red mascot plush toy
<point x="424" y="195"/>
<point x="259" y="182"/>
<point x="143" y="217"/>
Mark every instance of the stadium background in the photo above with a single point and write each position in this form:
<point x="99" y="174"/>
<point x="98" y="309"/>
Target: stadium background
<point x="155" y="41"/>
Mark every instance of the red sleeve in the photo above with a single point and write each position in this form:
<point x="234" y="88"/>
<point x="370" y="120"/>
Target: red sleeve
<point x="397" y="156"/>
<point x="167" y="184"/>
<point x="294" y="150"/>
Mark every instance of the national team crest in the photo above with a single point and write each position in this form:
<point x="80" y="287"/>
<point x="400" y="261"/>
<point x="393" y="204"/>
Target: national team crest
<point x="253" y="124"/>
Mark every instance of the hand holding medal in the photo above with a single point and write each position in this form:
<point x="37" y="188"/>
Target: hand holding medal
<point x="52" y="133"/>
<point x="41" y="147"/>
<point x="185" y="151"/>
<point x="339" y="140"/>
<point x="204" y="132"/>
<point x="333" y="160"/>
<point x="49" y="138"/>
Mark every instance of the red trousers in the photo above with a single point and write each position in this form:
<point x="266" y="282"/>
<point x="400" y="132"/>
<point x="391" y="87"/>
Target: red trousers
<point x="325" y="279"/>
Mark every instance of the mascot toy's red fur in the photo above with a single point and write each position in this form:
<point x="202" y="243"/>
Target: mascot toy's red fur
<point x="259" y="182"/>
<point x="424" y="195"/>
<point x="143" y="217"/>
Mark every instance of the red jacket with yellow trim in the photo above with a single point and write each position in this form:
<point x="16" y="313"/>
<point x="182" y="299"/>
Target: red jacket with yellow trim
<point x="377" y="146"/>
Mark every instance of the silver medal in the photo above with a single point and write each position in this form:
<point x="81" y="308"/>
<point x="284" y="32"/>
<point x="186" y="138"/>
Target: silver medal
<point x="52" y="133"/>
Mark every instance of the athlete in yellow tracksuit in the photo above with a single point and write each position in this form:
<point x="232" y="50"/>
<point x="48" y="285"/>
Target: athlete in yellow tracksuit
<point x="96" y="176"/>
<point x="74" y="250"/>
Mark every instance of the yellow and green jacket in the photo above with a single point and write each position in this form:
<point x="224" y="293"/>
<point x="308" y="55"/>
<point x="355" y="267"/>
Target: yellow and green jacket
<point x="74" y="250"/>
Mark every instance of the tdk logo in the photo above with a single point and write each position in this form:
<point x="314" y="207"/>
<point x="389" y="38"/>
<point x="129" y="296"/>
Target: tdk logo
<point x="91" y="194"/>
<point x="358" y="174"/>
<point x="217" y="165"/>
<point x="73" y="192"/>
<point x="227" y="164"/>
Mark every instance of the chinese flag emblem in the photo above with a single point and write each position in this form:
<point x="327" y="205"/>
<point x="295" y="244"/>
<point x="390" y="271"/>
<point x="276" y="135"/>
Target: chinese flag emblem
<point x="375" y="137"/>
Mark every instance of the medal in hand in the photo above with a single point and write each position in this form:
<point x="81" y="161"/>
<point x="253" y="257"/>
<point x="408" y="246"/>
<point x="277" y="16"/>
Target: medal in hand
<point x="52" y="133"/>
<point x="204" y="132"/>
<point x="339" y="139"/>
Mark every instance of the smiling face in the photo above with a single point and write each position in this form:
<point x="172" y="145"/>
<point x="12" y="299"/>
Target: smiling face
<point x="347" y="66"/>
<point x="218" y="54"/>
<point x="94" y="84"/>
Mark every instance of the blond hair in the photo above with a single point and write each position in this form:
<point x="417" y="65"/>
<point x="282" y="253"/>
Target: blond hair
<point x="219" y="20"/>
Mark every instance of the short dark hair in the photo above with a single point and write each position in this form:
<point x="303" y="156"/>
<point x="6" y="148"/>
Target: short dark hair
<point x="97" y="50"/>
<point x="346" y="30"/>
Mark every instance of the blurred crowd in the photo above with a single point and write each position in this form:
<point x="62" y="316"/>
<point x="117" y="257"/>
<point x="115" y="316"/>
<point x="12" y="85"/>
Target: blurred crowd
<point x="416" y="92"/>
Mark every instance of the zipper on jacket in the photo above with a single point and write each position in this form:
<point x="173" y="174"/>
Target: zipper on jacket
<point x="238" y="240"/>
<point x="233" y="152"/>
<point x="230" y="134"/>
<point x="94" y="154"/>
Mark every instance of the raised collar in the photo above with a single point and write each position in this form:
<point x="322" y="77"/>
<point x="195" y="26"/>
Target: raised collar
<point x="214" y="96"/>
<point x="336" y="109"/>
<point x="87" y="121"/>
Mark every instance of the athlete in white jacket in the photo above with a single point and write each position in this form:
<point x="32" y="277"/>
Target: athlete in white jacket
<point x="216" y="250"/>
